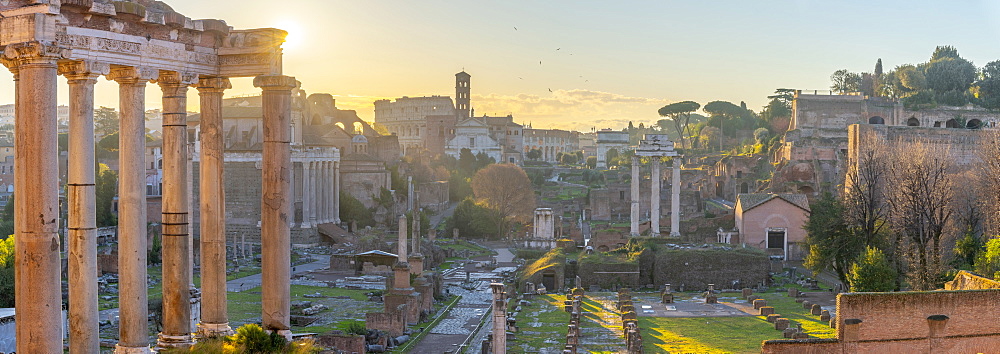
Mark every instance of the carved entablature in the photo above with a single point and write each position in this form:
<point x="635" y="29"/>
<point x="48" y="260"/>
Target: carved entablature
<point x="141" y="33"/>
<point x="251" y="52"/>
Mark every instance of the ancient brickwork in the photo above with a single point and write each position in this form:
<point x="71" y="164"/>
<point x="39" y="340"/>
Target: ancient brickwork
<point x="908" y="322"/>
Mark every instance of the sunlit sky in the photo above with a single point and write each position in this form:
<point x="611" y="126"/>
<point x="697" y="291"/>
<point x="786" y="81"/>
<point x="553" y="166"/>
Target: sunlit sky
<point x="582" y="64"/>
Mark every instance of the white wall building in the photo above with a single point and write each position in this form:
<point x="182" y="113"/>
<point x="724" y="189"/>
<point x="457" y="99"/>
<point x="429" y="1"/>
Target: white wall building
<point x="474" y="134"/>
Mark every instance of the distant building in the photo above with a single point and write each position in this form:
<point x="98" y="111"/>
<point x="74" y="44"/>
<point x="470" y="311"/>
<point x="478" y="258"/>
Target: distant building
<point x="607" y="140"/>
<point x="406" y="117"/>
<point x="551" y="142"/>
<point x="474" y="134"/>
<point x="588" y="143"/>
<point x="774" y="223"/>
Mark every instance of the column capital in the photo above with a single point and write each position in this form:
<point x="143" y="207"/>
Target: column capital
<point x="75" y="70"/>
<point x="213" y="84"/>
<point x="126" y="75"/>
<point x="168" y="78"/>
<point x="275" y="82"/>
<point x="34" y="52"/>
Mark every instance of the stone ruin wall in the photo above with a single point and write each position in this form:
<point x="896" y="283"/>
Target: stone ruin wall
<point x="695" y="269"/>
<point x="908" y="322"/>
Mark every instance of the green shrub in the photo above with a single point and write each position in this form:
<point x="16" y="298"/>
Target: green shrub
<point x="353" y="327"/>
<point x="251" y="338"/>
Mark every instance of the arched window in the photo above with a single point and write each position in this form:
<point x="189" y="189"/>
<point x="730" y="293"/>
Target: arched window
<point x="876" y="120"/>
<point x="913" y="122"/>
<point x="974" y="124"/>
<point x="744" y="188"/>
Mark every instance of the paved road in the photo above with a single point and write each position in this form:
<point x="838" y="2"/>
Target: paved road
<point x="437" y="218"/>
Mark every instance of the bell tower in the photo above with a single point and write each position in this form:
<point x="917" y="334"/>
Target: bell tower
<point x="462" y="90"/>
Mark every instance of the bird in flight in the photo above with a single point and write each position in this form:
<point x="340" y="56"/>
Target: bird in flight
<point x="550" y="90"/>
<point x="515" y="28"/>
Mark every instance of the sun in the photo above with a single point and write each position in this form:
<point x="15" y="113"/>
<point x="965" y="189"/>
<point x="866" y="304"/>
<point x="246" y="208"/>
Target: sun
<point x="296" y="35"/>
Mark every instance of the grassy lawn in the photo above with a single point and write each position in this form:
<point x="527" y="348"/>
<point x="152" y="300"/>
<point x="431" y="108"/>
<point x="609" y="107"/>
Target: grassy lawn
<point x="705" y="334"/>
<point x="727" y="334"/>
<point x="542" y="324"/>
<point x="245" y="305"/>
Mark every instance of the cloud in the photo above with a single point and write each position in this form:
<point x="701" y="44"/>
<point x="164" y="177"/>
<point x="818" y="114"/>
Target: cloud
<point x="561" y="109"/>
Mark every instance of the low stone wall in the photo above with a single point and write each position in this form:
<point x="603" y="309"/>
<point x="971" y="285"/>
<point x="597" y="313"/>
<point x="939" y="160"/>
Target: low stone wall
<point x="695" y="269"/>
<point x="348" y="343"/>
<point x="609" y="275"/>
<point x="908" y="322"/>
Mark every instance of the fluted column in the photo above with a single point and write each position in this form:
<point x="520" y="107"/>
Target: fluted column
<point x="212" y="210"/>
<point x="132" y="274"/>
<point x="38" y="298"/>
<point x="336" y="192"/>
<point x="324" y="192"/>
<point x="675" y="198"/>
<point x="82" y="223"/>
<point x="275" y="202"/>
<point x="634" y="216"/>
<point x="654" y="198"/>
<point x="307" y="194"/>
<point x="330" y="191"/>
<point x="176" y="279"/>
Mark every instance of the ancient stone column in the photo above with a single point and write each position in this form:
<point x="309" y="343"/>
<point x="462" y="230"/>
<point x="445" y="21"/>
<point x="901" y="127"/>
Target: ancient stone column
<point x="324" y="188"/>
<point x="82" y="226"/>
<point x="307" y="197"/>
<point x="675" y="199"/>
<point x="276" y="202"/>
<point x="499" y="319"/>
<point x="654" y="198"/>
<point x="634" y="217"/>
<point x="330" y="180"/>
<point x="336" y="192"/>
<point x="401" y="270"/>
<point x="212" y="209"/>
<point x="36" y="180"/>
<point x="132" y="245"/>
<point x="176" y="278"/>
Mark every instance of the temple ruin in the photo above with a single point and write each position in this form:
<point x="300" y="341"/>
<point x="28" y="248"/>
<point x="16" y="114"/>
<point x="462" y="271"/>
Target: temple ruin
<point x="135" y="43"/>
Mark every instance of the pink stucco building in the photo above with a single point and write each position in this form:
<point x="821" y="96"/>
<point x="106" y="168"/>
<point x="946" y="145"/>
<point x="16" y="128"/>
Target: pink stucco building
<point x="774" y="223"/>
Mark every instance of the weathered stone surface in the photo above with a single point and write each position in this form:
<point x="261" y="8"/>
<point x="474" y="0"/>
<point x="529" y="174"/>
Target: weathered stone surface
<point x="781" y="323"/>
<point x="766" y="311"/>
<point x="817" y="310"/>
<point x="772" y="317"/>
<point x="758" y="303"/>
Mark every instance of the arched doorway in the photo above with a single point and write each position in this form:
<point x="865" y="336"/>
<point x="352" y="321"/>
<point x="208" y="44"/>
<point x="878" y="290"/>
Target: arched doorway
<point x="974" y="124"/>
<point x="952" y="123"/>
<point x="913" y="122"/>
<point x="744" y="188"/>
<point x="806" y="190"/>
<point x="876" y="120"/>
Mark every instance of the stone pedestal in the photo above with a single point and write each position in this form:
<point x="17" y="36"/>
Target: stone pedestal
<point x="766" y="310"/>
<point x="757" y="304"/>
<point x="816" y="310"/>
<point x="416" y="264"/>
<point x="781" y="323"/>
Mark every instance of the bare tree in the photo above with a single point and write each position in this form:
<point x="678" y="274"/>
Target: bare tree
<point x="864" y="202"/>
<point x="506" y="190"/>
<point x="989" y="179"/>
<point x="920" y="202"/>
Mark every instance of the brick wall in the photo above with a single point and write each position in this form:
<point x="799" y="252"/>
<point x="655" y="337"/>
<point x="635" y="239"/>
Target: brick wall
<point x="695" y="269"/>
<point x="909" y="322"/>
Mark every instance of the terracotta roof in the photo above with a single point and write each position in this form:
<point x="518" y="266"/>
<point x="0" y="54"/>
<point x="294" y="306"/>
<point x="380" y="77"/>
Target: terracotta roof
<point x="749" y="201"/>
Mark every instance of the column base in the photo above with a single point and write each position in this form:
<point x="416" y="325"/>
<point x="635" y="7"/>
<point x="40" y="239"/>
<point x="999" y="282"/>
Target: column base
<point x="675" y="234"/>
<point x="119" y="349"/>
<point x="208" y="330"/>
<point x="164" y="341"/>
<point x="305" y="225"/>
<point x="284" y="333"/>
<point x="634" y="234"/>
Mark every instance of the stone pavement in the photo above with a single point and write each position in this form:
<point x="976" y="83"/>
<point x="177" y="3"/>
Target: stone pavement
<point x="601" y="326"/>
<point x="459" y="323"/>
